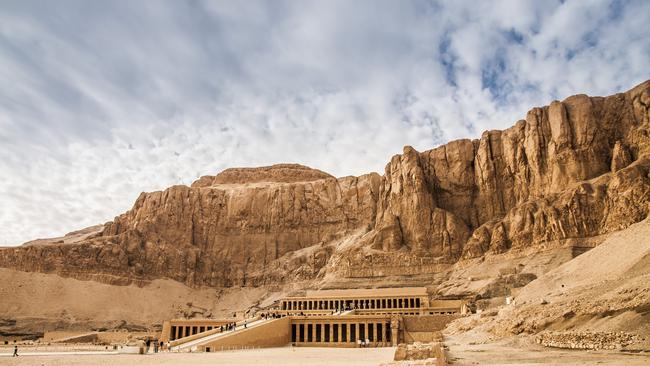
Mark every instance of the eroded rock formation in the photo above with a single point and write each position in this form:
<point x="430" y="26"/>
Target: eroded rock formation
<point x="571" y="170"/>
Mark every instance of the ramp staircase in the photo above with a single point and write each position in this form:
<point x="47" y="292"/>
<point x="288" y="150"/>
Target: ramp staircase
<point x="191" y="343"/>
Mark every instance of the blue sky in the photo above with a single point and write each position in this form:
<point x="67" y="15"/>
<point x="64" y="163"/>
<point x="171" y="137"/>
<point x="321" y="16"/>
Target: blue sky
<point x="102" y="100"/>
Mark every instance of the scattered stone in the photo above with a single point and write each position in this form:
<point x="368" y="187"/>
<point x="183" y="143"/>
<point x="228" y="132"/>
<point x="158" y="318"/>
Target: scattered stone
<point x="587" y="340"/>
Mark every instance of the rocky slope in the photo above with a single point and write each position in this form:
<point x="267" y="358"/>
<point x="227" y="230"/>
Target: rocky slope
<point x="598" y="300"/>
<point x="567" y="173"/>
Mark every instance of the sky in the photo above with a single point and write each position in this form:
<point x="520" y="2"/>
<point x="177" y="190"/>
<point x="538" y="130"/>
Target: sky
<point x="100" y="101"/>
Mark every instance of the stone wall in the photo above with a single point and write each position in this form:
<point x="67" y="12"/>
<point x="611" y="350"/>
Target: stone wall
<point x="425" y="328"/>
<point x="427" y="323"/>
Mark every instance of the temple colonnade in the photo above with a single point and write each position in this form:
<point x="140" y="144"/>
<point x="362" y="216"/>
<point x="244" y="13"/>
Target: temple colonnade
<point x="343" y="304"/>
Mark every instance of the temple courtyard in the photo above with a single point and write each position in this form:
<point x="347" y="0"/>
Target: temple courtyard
<point x="285" y="356"/>
<point x="461" y="352"/>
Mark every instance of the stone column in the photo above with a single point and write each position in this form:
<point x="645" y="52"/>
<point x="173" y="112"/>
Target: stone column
<point x="356" y="333"/>
<point x="394" y="328"/>
<point x="339" y="333"/>
<point x="374" y="333"/>
<point x="401" y="303"/>
<point x="313" y="333"/>
<point x="322" y="333"/>
<point x="347" y="332"/>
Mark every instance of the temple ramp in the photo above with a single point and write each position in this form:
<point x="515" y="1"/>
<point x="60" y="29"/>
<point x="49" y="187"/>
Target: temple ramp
<point x="267" y="333"/>
<point x="241" y="332"/>
<point x="79" y="338"/>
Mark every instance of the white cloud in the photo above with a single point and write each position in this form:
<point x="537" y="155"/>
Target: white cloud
<point x="103" y="100"/>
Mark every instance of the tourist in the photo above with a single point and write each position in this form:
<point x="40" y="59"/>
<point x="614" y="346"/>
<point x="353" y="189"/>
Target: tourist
<point x="15" y="351"/>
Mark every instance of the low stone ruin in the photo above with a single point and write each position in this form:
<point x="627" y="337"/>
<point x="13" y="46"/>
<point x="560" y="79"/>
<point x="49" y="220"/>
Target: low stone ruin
<point x="418" y="354"/>
<point x="587" y="340"/>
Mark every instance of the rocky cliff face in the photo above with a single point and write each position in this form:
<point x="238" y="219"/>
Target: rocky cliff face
<point x="216" y="232"/>
<point x="569" y="171"/>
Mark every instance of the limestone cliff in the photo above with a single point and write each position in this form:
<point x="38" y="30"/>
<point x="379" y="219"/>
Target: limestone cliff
<point x="569" y="171"/>
<point x="215" y="232"/>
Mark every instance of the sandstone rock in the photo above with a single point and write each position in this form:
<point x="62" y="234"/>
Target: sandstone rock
<point x="620" y="157"/>
<point x="279" y="173"/>
<point x="569" y="171"/>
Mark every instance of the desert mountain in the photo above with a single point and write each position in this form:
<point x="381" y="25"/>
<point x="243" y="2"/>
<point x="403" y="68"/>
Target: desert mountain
<point x="564" y="177"/>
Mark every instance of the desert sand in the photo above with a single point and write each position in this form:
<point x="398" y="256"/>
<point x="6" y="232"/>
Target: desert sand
<point x="285" y="356"/>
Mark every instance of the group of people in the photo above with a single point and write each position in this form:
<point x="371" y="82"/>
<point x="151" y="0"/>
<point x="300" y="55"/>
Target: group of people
<point x="362" y="343"/>
<point x="227" y="327"/>
<point x="267" y="316"/>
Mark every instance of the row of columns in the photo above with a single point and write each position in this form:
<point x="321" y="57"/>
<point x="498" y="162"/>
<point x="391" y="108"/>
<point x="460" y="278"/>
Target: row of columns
<point x="186" y="331"/>
<point x="374" y="332"/>
<point x="391" y="303"/>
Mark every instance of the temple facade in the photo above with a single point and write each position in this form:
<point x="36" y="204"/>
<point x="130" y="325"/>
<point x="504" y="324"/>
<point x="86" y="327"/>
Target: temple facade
<point x="325" y="318"/>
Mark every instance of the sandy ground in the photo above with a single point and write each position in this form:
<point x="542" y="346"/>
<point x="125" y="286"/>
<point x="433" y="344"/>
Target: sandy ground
<point x="38" y="302"/>
<point x="520" y="351"/>
<point x="285" y="356"/>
